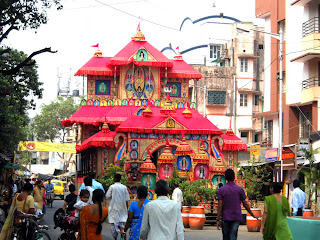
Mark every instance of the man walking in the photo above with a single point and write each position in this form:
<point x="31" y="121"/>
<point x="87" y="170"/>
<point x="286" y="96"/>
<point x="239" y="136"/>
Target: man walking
<point x="298" y="199"/>
<point x="118" y="208"/>
<point x="162" y="218"/>
<point x="177" y="195"/>
<point x="229" y="216"/>
<point x="95" y="183"/>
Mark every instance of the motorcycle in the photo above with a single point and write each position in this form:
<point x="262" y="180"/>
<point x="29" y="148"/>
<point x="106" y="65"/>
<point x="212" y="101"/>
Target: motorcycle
<point x="50" y="196"/>
<point x="65" y="221"/>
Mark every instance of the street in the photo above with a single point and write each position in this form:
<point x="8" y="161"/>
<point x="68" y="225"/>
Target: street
<point x="207" y="233"/>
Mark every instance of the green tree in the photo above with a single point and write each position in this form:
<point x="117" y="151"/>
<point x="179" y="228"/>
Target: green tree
<point x="18" y="72"/>
<point x="47" y="125"/>
<point x="254" y="176"/>
<point x="311" y="174"/>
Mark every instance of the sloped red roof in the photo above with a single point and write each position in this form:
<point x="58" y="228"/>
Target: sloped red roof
<point x="125" y="56"/>
<point x="96" y="66"/>
<point x="181" y="69"/>
<point x="194" y="125"/>
<point x="100" y="139"/>
<point x="91" y="115"/>
<point x="232" y="143"/>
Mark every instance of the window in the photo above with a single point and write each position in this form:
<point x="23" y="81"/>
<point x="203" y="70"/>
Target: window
<point x="244" y="136"/>
<point x="244" y="64"/>
<point x="269" y="127"/>
<point x="216" y="97"/>
<point x="215" y="51"/>
<point x="256" y="100"/>
<point x="243" y="100"/>
<point x="305" y="124"/>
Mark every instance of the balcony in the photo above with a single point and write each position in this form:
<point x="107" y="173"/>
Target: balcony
<point x="310" y="41"/>
<point x="310" y="26"/>
<point x="310" y="89"/>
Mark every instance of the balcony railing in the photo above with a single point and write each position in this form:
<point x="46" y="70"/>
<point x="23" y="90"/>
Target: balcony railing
<point x="310" y="26"/>
<point x="311" y="82"/>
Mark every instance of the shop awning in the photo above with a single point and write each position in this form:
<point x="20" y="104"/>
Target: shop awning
<point x="11" y="166"/>
<point x="100" y="139"/>
<point x="232" y="143"/>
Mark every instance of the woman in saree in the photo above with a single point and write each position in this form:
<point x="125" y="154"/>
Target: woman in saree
<point x="22" y="202"/>
<point x="38" y="194"/>
<point x="92" y="217"/>
<point x="274" y="219"/>
<point x="135" y="213"/>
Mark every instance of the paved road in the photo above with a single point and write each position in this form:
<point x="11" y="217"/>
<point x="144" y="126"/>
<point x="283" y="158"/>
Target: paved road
<point x="207" y="233"/>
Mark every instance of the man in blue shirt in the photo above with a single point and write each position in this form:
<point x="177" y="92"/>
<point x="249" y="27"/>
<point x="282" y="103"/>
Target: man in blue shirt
<point x="298" y="199"/>
<point x="95" y="183"/>
<point x="49" y="186"/>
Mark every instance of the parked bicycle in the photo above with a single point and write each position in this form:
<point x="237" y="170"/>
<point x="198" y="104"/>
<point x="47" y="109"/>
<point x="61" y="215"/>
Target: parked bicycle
<point x="28" y="228"/>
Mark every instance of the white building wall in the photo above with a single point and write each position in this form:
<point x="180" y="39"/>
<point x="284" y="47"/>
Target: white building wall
<point x="267" y="70"/>
<point x="295" y="72"/>
<point x="222" y="122"/>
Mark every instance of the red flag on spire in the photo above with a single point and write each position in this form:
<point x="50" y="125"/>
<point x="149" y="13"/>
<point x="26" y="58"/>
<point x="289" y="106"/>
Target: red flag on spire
<point x="182" y="135"/>
<point x="168" y="97"/>
<point x="177" y="48"/>
<point x="138" y="28"/>
<point x="97" y="45"/>
<point x="167" y="141"/>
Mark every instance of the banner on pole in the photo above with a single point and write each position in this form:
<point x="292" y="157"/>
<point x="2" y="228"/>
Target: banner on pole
<point x="47" y="147"/>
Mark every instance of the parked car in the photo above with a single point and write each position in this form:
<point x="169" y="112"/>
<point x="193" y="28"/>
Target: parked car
<point x="58" y="188"/>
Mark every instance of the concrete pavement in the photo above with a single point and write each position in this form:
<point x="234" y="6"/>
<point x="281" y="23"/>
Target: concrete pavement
<point x="208" y="232"/>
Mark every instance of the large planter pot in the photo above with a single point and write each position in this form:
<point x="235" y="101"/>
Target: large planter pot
<point x="197" y="218"/>
<point x="308" y="213"/>
<point x="185" y="216"/>
<point x="254" y="224"/>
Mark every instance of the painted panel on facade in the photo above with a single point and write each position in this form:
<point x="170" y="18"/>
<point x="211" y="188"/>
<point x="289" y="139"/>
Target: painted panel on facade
<point x="148" y="180"/>
<point x="175" y="89"/>
<point x="184" y="163"/>
<point x="165" y="171"/>
<point x="102" y="87"/>
<point x="201" y="171"/>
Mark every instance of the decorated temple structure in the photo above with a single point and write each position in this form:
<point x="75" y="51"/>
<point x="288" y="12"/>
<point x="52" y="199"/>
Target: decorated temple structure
<point x="138" y="109"/>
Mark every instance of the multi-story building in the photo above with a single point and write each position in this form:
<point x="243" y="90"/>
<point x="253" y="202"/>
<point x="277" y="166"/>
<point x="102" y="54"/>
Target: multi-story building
<point x="234" y="90"/>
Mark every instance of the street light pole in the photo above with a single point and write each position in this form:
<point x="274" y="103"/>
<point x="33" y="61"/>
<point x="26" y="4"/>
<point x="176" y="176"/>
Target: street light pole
<point x="280" y="105"/>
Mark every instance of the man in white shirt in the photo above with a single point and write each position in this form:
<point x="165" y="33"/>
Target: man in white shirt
<point x="118" y="208"/>
<point x="177" y="195"/>
<point x="298" y="199"/>
<point x="162" y="218"/>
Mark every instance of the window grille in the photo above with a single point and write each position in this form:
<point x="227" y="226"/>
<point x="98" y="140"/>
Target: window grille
<point x="216" y="97"/>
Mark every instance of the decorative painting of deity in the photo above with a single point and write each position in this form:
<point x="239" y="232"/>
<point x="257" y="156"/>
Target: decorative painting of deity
<point x="137" y="103"/>
<point x="148" y="180"/>
<point x="205" y="145"/>
<point x="103" y="103"/>
<point x="134" y="154"/>
<point x="83" y="102"/>
<point x="124" y="102"/>
<point x="144" y="102"/>
<point x="162" y="135"/>
<point x="193" y="105"/>
<point x="131" y="102"/>
<point x="195" y="136"/>
<point x="178" y="136"/>
<point x="201" y="171"/>
<point x="165" y="171"/>
<point x="216" y="179"/>
<point x="117" y="102"/>
<point x="175" y="89"/>
<point x="89" y="102"/>
<point x="102" y="87"/>
<point x="184" y="163"/>
<point x="142" y="55"/>
<point x="180" y="105"/>
<point x="170" y="123"/>
<point x="134" y="135"/>
<point x="157" y="103"/>
<point x="133" y="190"/>
<point x="204" y="136"/>
<point x="188" y="136"/>
<point x="139" y="83"/>
<point x="134" y="144"/>
<point x="96" y="103"/>
<point x="134" y="165"/>
<point x="153" y="135"/>
<point x="144" y="135"/>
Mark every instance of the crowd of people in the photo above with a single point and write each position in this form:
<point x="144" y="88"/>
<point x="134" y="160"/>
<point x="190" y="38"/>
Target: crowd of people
<point x="159" y="219"/>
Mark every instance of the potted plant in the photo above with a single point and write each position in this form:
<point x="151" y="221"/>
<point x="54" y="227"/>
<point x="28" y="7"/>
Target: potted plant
<point x="254" y="176"/>
<point x="194" y="193"/>
<point x="311" y="175"/>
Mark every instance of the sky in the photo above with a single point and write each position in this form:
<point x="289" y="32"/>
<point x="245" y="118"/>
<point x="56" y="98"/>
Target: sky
<point x="112" y="23"/>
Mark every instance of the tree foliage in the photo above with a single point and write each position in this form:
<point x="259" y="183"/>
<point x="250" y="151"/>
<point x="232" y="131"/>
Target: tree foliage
<point x="311" y="174"/>
<point x="47" y="125"/>
<point x="18" y="72"/>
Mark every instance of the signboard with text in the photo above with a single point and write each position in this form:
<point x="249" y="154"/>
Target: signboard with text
<point x="255" y="150"/>
<point x="47" y="147"/>
<point x="272" y="155"/>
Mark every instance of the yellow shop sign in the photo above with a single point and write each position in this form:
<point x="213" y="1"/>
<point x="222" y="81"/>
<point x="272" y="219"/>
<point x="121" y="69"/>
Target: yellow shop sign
<point x="47" y="147"/>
